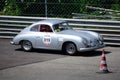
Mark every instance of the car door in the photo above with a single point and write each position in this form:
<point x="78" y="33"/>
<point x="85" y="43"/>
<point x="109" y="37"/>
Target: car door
<point x="46" y="38"/>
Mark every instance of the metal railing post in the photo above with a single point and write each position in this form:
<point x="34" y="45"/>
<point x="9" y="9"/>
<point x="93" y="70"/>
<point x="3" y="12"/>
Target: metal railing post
<point x="46" y="8"/>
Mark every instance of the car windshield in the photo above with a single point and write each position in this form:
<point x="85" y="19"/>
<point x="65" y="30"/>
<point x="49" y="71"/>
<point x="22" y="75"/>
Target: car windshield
<point x="61" y="27"/>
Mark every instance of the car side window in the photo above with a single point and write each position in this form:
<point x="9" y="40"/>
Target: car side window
<point x="45" y="28"/>
<point x="35" y="28"/>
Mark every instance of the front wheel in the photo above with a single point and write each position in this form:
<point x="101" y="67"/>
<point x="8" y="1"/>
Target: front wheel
<point x="70" y="49"/>
<point x="26" y="45"/>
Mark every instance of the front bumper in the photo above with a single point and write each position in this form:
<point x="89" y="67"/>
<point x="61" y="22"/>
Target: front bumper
<point x="91" y="48"/>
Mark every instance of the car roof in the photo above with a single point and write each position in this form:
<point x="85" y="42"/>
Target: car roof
<point x="50" y="21"/>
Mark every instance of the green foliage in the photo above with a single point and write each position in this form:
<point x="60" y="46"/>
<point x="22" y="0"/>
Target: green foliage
<point x="56" y="8"/>
<point x="16" y="7"/>
<point x="2" y="3"/>
<point x="115" y="6"/>
<point x="11" y="8"/>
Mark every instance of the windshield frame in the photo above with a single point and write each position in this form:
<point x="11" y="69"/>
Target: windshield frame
<point x="61" y="26"/>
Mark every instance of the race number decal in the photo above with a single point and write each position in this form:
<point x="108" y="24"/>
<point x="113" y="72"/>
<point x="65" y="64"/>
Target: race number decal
<point x="46" y="40"/>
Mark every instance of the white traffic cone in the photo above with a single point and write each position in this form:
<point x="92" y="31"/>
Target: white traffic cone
<point x="103" y="64"/>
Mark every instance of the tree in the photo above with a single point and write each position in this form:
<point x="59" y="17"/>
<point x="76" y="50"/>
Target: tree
<point x="11" y="8"/>
<point x="2" y="4"/>
<point x="56" y="8"/>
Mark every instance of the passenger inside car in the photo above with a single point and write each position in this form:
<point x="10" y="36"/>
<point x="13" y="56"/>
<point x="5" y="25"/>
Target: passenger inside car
<point x="56" y="28"/>
<point x="45" y="28"/>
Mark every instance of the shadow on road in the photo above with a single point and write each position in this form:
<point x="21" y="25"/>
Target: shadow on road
<point x="92" y="53"/>
<point x="42" y="51"/>
<point x="82" y="54"/>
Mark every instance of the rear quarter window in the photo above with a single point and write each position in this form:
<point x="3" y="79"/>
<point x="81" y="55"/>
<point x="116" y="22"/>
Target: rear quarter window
<point x="35" y="28"/>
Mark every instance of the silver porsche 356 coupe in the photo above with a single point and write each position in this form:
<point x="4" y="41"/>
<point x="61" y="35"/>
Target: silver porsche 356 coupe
<point x="57" y="35"/>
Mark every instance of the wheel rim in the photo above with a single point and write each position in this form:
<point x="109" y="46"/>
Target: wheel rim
<point x="27" y="46"/>
<point x="70" y="48"/>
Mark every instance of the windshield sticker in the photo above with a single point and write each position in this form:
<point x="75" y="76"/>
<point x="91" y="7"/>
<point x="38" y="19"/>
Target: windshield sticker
<point x="46" y="40"/>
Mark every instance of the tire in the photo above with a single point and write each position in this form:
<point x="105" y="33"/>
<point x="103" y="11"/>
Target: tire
<point x="70" y="49"/>
<point x="26" y="45"/>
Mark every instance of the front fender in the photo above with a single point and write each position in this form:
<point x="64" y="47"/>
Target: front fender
<point x="93" y="33"/>
<point x="78" y="41"/>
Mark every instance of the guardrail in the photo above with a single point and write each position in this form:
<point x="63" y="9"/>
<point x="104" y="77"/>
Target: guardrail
<point x="87" y="16"/>
<point x="12" y="25"/>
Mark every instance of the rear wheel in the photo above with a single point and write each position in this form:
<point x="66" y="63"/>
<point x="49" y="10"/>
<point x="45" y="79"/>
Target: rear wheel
<point x="26" y="45"/>
<point x="70" y="48"/>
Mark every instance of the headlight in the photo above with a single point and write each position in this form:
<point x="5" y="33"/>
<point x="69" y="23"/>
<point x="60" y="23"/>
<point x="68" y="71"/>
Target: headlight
<point x="85" y="41"/>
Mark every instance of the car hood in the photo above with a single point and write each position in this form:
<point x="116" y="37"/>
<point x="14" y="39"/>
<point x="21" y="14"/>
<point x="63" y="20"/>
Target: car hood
<point x="82" y="34"/>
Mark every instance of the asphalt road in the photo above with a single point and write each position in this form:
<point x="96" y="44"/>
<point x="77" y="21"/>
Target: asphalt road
<point x="16" y="64"/>
<point x="12" y="56"/>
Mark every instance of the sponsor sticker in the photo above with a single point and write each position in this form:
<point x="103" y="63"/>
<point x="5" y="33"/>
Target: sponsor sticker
<point x="46" y="40"/>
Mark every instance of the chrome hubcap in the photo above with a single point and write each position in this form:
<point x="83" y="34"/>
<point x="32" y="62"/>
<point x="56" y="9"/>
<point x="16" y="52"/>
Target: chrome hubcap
<point x="27" y="45"/>
<point x="70" y="48"/>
